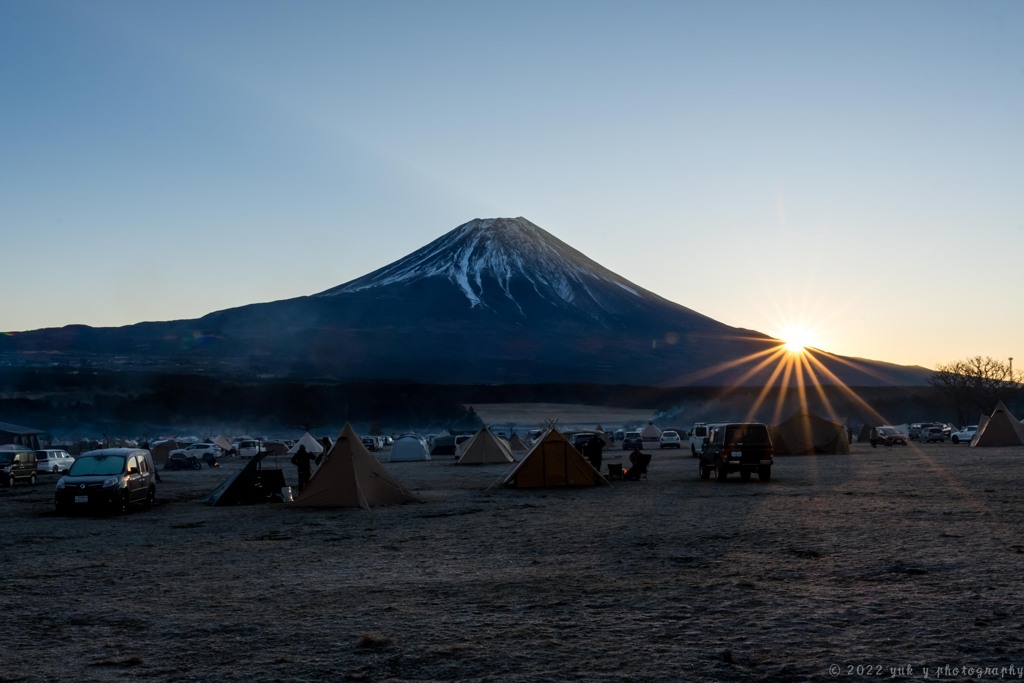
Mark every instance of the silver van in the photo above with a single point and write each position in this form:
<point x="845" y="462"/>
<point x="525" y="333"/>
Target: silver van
<point x="53" y="460"/>
<point x="698" y="435"/>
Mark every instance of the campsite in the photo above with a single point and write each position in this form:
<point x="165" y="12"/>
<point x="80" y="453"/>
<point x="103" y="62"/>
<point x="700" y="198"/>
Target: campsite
<point x="878" y="558"/>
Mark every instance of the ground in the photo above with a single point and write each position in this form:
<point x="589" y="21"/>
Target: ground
<point x="881" y="559"/>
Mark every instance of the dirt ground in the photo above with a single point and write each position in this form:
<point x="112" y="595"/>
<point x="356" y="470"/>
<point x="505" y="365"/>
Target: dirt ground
<point x="869" y="562"/>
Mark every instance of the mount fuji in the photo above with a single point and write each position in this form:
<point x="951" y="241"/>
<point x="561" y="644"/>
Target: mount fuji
<point x="493" y="301"/>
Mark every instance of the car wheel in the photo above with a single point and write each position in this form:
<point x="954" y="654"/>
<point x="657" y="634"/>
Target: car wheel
<point x="32" y="479"/>
<point x="56" y="469"/>
<point x="693" y="450"/>
<point x="721" y="474"/>
<point x="744" y="474"/>
<point x="196" y="465"/>
<point x="150" y="497"/>
<point x="705" y="472"/>
<point x="764" y="473"/>
<point x="10" y="481"/>
<point x="955" y="439"/>
<point x="123" y="505"/>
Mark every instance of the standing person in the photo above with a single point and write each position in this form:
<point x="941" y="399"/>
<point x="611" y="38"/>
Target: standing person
<point x="592" y="450"/>
<point x="325" y="442"/>
<point x="301" y="460"/>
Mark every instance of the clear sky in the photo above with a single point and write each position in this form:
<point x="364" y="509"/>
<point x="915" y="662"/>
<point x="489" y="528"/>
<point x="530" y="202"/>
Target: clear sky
<point x="856" y="167"/>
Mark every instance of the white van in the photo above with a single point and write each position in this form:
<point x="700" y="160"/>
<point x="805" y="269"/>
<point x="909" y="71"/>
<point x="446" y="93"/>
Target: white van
<point x="250" y="448"/>
<point x="697" y="437"/>
<point x="53" y="460"/>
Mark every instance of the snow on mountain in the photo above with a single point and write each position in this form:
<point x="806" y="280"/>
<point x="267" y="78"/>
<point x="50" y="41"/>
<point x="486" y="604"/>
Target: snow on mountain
<point x="495" y="252"/>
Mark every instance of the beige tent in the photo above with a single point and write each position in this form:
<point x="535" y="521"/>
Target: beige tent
<point x="311" y="444"/>
<point x="516" y="444"/>
<point x="484" y="449"/>
<point x="222" y="441"/>
<point x="349" y="476"/>
<point x="805" y="434"/>
<point x="1000" y="429"/>
<point x="650" y="434"/>
<point x="553" y="462"/>
<point x="161" y="449"/>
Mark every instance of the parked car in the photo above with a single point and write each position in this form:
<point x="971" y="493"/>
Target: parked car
<point x="632" y="440"/>
<point x="887" y="435"/>
<point x="18" y="464"/>
<point x="249" y="448"/>
<point x="53" y="460"/>
<point x="931" y="433"/>
<point x="204" y="452"/>
<point x="964" y="435"/>
<point x="671" y="439"/>
<point x="110" y="478"/>
<point x="744" y="447"/>
<point x="580" y="439"/>
<point x="370" y="443"/>
<point x="914" y="429"/>
<point x="697" y="436"/>
<point x="179" y="460"/>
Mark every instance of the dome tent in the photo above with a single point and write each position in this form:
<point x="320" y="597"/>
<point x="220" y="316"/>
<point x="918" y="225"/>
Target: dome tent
<point x="805" y="433"/>
<point x="408" y="448"/>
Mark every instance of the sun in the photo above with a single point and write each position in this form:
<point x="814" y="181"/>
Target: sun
<point x="797" y="339"/>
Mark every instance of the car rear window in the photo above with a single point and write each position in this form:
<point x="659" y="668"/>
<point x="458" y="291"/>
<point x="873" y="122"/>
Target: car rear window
<point x="751" y="435"/>
<point x="700" y="431"/>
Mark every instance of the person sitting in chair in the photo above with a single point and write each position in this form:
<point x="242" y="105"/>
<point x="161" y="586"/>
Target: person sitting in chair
<point x="638" y="463"/>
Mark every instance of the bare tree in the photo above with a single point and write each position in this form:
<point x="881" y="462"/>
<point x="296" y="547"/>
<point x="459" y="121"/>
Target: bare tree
<point x="974" y="386"/>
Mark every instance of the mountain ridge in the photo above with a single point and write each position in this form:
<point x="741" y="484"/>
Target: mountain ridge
<point x="497" y="300"/>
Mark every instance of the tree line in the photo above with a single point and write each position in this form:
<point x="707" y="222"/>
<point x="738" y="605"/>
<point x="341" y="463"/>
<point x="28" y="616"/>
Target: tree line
<point x="972" y="387"/>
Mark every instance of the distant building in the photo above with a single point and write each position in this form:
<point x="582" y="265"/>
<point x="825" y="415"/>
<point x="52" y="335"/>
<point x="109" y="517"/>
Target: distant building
<point x="22" y="436"/>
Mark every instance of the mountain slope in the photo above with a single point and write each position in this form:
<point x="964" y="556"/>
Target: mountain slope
<point x="492" y="301"/>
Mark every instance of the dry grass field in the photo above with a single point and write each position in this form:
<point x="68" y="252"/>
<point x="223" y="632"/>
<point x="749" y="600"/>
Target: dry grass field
<point x="881" y="559"/>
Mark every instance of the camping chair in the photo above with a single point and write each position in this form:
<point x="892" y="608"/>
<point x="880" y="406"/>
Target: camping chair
<point x="638" y="468"/>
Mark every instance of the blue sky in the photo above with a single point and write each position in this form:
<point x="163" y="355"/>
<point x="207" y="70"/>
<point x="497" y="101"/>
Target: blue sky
<point x="854" y="167"/>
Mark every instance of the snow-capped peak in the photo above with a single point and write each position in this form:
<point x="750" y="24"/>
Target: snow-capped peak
<point x="497" y="250"/>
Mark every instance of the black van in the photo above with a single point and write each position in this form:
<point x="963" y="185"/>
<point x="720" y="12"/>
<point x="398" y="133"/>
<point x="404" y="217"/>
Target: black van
<point x="18" y="465"/>
<point x="743" y="447"/>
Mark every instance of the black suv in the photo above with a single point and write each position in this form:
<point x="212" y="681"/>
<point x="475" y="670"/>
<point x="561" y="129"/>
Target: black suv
<point x="111" y="478"/>
<point x="743" y="447"/>
<point x="887" y="435"/>
<point x="17" y="464"/>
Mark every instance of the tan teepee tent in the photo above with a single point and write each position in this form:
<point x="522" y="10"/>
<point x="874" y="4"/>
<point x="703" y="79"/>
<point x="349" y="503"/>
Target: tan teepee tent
<point x="484" y="449"/>
<point x="553" y="462"/>
<point x="311" y="444"/>
<point x="999" y="429"/>
<point x="349" y="476"/>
